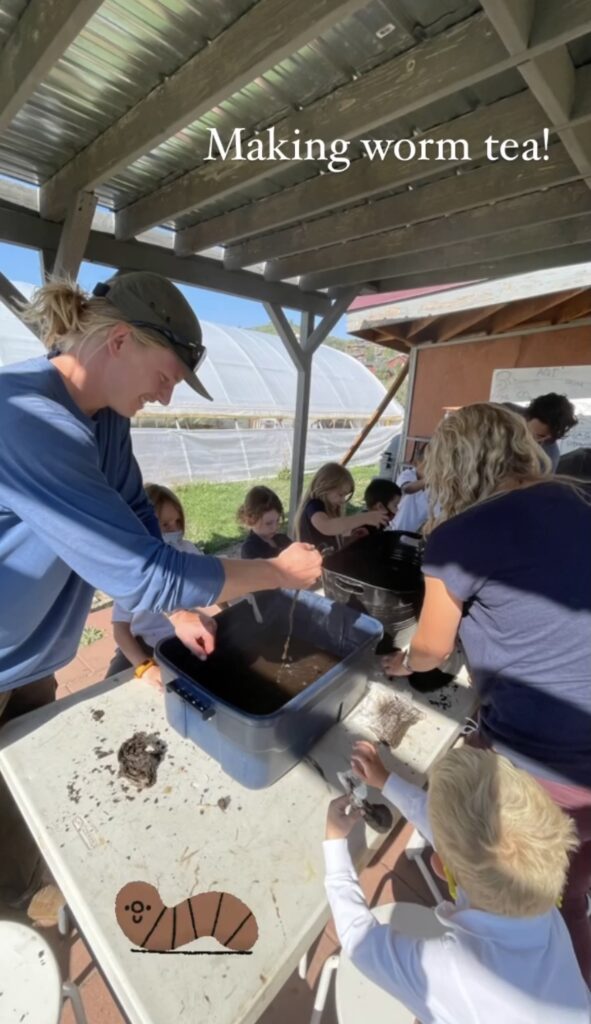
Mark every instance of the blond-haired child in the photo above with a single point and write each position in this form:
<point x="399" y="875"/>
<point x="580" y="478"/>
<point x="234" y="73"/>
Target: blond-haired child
<point x="320" y="519"/>
<point x="136" y="634"/>
<point x="505" y="956"/>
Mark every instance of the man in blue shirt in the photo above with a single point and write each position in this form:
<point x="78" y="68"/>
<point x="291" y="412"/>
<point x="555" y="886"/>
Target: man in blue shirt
<point x="73" y="512"/>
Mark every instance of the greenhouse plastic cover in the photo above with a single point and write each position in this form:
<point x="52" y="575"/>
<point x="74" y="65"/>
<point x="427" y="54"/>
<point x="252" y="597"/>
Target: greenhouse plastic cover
<point x="341" y="387"/>
<point x="248" y="373"/>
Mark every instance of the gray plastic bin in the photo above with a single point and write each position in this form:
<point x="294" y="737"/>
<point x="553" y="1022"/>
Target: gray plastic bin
<point x="257" y="749"/>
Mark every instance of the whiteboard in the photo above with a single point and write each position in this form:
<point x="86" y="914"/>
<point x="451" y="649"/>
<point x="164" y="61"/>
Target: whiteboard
<point x="521" y="385"/>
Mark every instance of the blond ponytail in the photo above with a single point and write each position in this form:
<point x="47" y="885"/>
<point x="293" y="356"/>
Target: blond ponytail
<point x="56" y="309"/>
<point x="66" y="317"/>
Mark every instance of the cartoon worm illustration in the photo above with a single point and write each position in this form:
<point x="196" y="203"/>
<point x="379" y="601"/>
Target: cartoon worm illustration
<point x="145" y="920"/>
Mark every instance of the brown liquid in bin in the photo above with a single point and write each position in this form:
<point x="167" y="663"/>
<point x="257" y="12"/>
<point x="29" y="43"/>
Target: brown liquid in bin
<point x="258" y="682"/>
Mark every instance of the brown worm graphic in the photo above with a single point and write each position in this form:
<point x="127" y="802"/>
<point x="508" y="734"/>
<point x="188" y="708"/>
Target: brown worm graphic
<point x="145" y="920"/>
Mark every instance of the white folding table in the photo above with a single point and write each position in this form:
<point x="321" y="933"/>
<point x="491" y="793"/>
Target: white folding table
<point x="97" y="833"/>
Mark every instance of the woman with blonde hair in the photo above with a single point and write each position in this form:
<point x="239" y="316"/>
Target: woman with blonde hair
<point x="508" y="565"/>
<point x="73" y="512"/>
<point x="320" y="518"/>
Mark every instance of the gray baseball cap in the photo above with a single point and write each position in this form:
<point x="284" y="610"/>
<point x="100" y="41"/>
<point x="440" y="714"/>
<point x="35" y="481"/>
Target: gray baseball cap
<point x="156" y="306"/>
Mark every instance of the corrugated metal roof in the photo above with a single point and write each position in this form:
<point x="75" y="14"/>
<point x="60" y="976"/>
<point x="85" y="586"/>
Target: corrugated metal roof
<point x="10" y="12"/>
<point x="129" y="46"/>
<point x="125" y="50"/>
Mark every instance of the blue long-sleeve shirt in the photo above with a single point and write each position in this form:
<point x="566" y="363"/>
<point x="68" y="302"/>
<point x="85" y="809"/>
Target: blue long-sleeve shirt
<point x="74" y="517"/>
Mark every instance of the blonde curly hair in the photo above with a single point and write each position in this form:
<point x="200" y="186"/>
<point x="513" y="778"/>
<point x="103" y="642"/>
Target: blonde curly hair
<point x="473" y="452"/>
<point x="502" y="837"/>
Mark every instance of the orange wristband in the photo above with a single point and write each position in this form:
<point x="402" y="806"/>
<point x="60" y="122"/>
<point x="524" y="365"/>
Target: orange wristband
<point x="145" y="665"/>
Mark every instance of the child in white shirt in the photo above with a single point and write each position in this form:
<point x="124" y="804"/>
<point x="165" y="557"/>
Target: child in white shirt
<point x="506" y="956"/>
<point x="413" y="510"/>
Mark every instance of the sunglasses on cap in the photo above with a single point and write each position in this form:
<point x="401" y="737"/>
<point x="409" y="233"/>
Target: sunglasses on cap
<point x="195" y="350"/>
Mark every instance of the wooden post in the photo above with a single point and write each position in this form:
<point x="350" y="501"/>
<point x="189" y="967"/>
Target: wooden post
<point x="398" y="381"/>
<point x="14" y="300"/>
<point x="302" y="415"/>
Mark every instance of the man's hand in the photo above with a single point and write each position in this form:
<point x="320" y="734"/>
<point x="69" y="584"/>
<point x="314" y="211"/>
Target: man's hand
<point x="338" y="823"/>
<point x="392" y="664"/>
<point x="299" y="566"/>
<point x="367" y="764"/>
<point x="195" y="631"/>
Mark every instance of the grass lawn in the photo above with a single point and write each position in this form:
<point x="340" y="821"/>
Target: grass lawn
<point x="210" y="509"/>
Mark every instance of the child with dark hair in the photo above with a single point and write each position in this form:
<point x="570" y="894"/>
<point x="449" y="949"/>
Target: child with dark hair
<point x="382" y="496"/>
<point x="262" y="512"/>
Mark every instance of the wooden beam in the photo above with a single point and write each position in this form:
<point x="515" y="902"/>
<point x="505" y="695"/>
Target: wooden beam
<point x="516" y="313"/>
<point x="425" y="202"/>
<point x="43" y="33"/>
<point x="390" y="393"/>
<point x="12" y="298"/>
<point x="256" y="42"/>
<point x="526" y="239"/>
<point x="576" y="308"/>
<point x="285" y="332"/>
<point x="550" y="77"/>
<point x="74" y="235"/>
<point x="342" y="301"/>
<point x="366" y="178"/>
<point x="300" y="426"/>
<point x="455" y="324"/>
<point x="513" y="21"/>
<point x="492" y="270"/>
<point x="417" y="326"/>
<point x="492" y="219"/>
<point x="459" y="58"/>
<point x="26" y="228"/>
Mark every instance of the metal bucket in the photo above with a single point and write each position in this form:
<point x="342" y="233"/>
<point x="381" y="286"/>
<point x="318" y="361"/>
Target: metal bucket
<point x="381" y="576"/>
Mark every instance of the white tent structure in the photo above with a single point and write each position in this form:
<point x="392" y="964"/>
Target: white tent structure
<point x="250" y="376"/>
<point x="16" y="341"/>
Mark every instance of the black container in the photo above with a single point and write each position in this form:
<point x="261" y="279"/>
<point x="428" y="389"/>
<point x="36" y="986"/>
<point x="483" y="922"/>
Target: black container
<point x="381" y="576"/>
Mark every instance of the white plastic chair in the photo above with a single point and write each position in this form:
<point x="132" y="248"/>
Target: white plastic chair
<point x="31" y="988"/>
<point x="357" y="998"/>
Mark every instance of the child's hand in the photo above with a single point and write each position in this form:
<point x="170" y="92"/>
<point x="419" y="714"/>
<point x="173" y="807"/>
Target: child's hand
<point x="367" y="764"/>
<point x="377" y="518"/>
<point x="153" y="677"/>
<point x="338" y="823"/>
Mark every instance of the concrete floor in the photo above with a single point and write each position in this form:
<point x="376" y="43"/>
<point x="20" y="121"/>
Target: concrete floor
<point x="390" y="877"/>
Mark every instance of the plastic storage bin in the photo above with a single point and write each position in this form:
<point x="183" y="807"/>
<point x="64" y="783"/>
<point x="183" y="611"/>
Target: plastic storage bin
<point x="257" y="749"/>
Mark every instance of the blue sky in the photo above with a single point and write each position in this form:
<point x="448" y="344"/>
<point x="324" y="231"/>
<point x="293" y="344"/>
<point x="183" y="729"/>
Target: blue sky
<point x="21" y="264"/>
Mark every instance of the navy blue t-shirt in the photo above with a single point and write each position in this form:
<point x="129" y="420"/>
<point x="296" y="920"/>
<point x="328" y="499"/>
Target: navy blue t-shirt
<point x="521" y="563"/>
<point x="308" y="532"/>
<point x="257" y="547"/>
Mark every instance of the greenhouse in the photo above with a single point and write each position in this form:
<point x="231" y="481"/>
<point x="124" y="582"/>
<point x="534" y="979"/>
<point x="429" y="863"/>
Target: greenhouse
<point x="247" y="431"/>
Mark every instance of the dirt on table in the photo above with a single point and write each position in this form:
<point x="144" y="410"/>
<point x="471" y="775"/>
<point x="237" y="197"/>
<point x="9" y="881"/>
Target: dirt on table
<point x="139" y="758"/>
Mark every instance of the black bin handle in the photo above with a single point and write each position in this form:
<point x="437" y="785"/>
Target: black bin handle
<point x="177" y="686"/>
